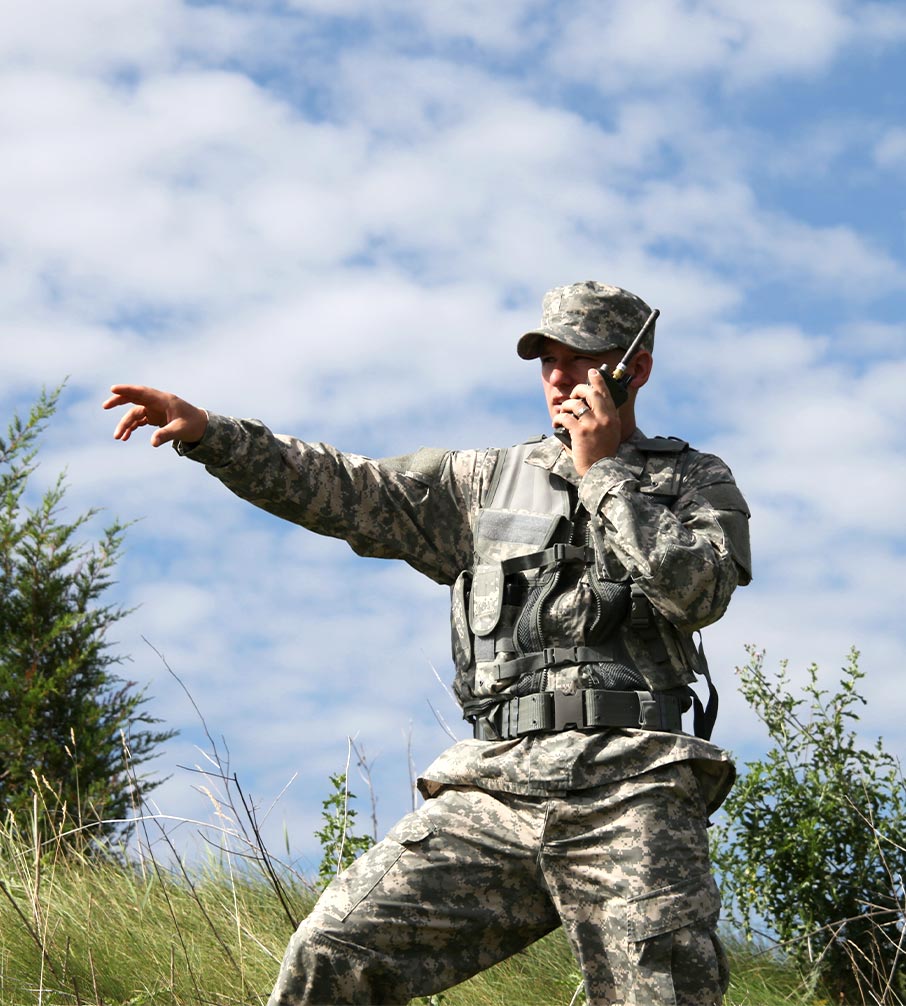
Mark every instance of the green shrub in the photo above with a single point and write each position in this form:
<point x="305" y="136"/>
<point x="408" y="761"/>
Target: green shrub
<point x="812" y="847"/>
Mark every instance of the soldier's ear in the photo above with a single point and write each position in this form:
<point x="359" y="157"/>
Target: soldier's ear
<point x="640" y="366"/>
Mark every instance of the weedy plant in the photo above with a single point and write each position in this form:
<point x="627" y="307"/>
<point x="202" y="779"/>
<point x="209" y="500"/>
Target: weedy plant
<point x="91" y="922"/>
<point x="812" y="846"/>
<point x="340" y="845"/>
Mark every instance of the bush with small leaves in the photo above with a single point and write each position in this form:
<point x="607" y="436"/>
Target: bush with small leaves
<point x="812" y="847"/>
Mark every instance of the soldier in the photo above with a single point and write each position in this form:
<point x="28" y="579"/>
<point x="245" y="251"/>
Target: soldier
<point x="578" y="576"/>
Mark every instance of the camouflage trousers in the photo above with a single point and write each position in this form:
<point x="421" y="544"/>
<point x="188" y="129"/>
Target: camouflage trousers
<point x="473" y="876"/>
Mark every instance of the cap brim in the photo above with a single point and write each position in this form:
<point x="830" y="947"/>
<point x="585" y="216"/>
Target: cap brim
<point x="529" y="346"/>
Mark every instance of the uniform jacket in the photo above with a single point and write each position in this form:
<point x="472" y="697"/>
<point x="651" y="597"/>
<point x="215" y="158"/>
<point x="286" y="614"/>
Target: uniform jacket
<point x="685" y="559"/>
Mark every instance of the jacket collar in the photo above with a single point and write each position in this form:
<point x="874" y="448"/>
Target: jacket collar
<point x="551" y="454"/>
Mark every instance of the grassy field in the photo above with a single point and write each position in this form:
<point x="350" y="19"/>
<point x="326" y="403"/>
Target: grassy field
<point x="84" y="929"/>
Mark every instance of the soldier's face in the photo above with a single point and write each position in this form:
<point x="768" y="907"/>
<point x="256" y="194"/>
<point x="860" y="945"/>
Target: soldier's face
<point x="562" y="368"/>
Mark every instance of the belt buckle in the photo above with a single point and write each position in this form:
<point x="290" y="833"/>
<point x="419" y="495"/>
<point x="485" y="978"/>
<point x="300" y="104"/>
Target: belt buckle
<point x="569" y="710"/>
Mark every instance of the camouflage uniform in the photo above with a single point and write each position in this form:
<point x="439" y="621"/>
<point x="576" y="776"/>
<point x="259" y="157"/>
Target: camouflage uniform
<point x="603" y="831"/>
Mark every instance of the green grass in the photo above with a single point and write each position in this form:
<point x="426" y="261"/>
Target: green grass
<point x="81" y="928"/>
<point x="78" y="928"/>
<point x="86" y="926"/>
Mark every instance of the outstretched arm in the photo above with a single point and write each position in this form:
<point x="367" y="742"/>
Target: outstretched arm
<point x="415" y="508"/>
<point x="176" y="418"/>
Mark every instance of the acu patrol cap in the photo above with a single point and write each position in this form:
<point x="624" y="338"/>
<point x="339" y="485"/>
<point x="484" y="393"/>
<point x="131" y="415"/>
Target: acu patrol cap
<point x="591" y="317"/>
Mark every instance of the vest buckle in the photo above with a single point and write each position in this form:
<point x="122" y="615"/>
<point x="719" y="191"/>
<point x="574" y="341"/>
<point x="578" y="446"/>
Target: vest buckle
<point x="553" y="656"/>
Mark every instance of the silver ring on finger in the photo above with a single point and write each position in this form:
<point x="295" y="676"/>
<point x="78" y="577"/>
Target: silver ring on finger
<point x="579" y="413"/>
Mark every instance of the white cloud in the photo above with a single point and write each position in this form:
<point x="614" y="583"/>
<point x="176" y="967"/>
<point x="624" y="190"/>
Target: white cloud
<point x="641" y="45"/>
<point x="88" y="35"/>
<point x="114" y="41"/>
<point x="890" y="150"/>
<point x="729" y="48"/>
<point x="508" y="27"/>
<point x="779" y="38"/>
<point x="725" y="223"/>
<point x="144" y="195"/>
<point x="345" y="239"/>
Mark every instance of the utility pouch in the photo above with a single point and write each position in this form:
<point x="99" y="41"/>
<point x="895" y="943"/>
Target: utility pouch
<point x="487" y="598"/>
<point x="502" y="535"/>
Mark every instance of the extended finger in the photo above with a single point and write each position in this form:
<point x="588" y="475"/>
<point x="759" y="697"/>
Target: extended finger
<point x="130" y="422"/>
<point x="134" y="394"/>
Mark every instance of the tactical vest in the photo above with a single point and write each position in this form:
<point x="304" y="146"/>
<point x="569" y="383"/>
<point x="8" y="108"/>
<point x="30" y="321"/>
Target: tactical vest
<point x="509" y="681"/>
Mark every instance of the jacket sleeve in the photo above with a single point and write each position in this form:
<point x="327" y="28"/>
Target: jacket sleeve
<point x="687" y="559"/>
<point x="416" y="507"/>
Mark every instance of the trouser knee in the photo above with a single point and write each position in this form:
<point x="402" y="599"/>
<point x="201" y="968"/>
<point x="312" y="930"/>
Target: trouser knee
<point x="323" y="965"/>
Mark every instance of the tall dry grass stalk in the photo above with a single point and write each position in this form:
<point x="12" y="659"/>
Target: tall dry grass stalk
<point x="85" y="921"/>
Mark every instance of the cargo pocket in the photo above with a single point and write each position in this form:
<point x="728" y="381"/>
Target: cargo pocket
<point x="673" y="951"/>
<point x="347" y="892"/>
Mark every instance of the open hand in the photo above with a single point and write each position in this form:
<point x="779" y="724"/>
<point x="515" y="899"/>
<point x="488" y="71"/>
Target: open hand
<point x="176" y="418"/>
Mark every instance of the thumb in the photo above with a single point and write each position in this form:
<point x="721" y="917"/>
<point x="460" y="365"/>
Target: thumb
<point x="166" y="434"/>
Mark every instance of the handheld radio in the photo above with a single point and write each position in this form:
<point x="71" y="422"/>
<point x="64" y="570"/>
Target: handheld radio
<point x="617" y="380"/>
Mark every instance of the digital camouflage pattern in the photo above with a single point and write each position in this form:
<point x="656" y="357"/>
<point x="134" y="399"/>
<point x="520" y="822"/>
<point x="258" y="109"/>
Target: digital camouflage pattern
<point x="591" y="317"/>
<point x="420" y="508"/>
<point x="473" y="877"/>
<point x="591" y="597"/>
<point x="687" y="559"/>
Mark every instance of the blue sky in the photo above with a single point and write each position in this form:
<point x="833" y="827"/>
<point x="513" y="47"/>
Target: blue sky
<point x="338" y="216"/>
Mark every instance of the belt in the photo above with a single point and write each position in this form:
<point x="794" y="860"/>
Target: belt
<point x="584" y="709"/>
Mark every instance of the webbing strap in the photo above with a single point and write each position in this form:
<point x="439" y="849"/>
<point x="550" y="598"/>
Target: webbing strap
<point x="704" y="717"/>
<point x="547" y="557"/>
<point x="552" y="656"/>
<point x="642" y="620"/>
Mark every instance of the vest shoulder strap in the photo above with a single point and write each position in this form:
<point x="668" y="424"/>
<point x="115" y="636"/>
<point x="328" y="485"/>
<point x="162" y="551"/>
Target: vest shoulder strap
<point x="668" y="457"/>
<point x="490" y="487"/>
<point x="515" y="486"/>
<point x="661" y="445"/>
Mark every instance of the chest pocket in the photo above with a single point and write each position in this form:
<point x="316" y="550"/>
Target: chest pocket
<point x="502" y="536"/>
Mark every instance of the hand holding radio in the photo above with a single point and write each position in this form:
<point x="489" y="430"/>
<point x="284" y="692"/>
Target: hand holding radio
<point x="616" y="383"/>
<point x="595" y="428"/>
